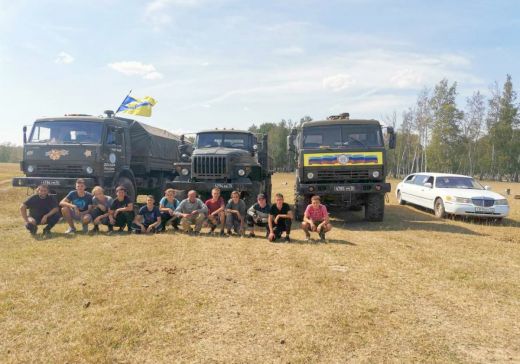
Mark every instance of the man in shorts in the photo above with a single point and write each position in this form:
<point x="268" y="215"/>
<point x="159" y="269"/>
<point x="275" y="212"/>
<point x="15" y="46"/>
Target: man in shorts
<point x="43" y="210"/>
<point x="316" y="218"/>
<point x="76" y="206"/>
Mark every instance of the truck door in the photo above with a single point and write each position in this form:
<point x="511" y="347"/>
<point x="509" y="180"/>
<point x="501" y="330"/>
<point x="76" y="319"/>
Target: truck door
<point x="114" y="155"/>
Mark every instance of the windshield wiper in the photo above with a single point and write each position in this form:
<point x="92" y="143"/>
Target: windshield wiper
<point x="357" y="141"/>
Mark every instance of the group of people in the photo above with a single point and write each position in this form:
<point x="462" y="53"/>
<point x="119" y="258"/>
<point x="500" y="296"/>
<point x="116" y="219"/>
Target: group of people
<point x="190" y="215"/>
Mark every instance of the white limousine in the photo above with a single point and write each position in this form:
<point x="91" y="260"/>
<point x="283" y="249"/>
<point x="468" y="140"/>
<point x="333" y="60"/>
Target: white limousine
<point x="451" y="194"/>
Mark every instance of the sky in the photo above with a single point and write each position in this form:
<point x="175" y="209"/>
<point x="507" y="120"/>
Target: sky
<point x="231" y="63"/>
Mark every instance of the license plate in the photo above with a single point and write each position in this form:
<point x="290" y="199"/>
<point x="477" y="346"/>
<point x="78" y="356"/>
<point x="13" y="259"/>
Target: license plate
<point x="343" y="188"/>
<point x="224" y="186"/>
<point x="484" y="209"/>
<point x="49" y="182"/>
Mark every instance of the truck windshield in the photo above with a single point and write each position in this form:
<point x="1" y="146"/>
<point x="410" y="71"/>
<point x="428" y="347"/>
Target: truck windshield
<point x="342" y="136"/>
<point x="66" y="132"/>
<point x="226" y="140"/>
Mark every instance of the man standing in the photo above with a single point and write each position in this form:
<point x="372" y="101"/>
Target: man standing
<point x="43" y="210"/>
<point x="76" y="206"/>
<point x="121" y="212"/>
<point x="316" y="218"/>
<point x="280" y="219"/>
<point x="258" y="214"/>
<point x="192" y="211"/>
<point x="216" y="214"/>
<point x="235" y="214"/>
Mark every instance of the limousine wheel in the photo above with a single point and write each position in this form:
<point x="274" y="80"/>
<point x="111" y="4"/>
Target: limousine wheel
<point x="400" y="199"/>
<point x="440" y="212"/>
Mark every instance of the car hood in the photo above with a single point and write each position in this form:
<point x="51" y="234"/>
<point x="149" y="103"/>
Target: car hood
<point x="468" y="193"/>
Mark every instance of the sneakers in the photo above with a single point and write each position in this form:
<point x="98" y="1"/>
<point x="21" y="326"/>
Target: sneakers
<point x="32" y="228"/>
<point x="46" y="233"/>
<point x="287" y="239"/>
<point x="95" y="229"/>
<point x="307" y="236"/>
<point x="70" y="231"/>
<point x="222" y="233"/>
<point x="252" y="234"/>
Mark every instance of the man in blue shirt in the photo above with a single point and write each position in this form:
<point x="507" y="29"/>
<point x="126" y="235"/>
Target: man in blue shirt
<point x="76" y="206"/>
<point x="148" y="220"/>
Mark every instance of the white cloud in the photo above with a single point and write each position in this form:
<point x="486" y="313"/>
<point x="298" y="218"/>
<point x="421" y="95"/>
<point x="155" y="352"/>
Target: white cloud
<point x="407" y="78"/>
<point x="134" y="68"/>
<point x="156" y="11"/>
<point x="64" y="58"/>
<point x="338" y="82"/>
<point x="289" y="51"/>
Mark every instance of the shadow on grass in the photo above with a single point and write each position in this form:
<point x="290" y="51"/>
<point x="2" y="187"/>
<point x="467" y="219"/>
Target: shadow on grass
<point x="397" y="218"/>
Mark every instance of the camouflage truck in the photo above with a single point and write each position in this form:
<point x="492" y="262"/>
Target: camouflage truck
<point x="228" y="159"/>
<point x="344" y="162"/>
<point x="107" y="151"/>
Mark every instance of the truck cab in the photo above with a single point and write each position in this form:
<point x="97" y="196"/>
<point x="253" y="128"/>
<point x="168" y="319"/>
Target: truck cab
<point x="228" y="159"/>
<point x="343" y="161"/>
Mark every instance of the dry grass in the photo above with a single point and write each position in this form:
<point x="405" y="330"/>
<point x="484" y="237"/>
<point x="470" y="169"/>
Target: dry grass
<point x="410" y="289"/>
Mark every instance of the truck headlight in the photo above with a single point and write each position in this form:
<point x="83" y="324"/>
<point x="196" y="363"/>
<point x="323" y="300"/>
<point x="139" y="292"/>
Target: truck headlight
<point x="30" y="169"/>
<point x="310" y="175"/>
<point x="185" y="171"/>
<point x="241" y="172"/>
<point x="89" y="170"/>
<point x="501" y="202"/>
<point x="376" y="174"/>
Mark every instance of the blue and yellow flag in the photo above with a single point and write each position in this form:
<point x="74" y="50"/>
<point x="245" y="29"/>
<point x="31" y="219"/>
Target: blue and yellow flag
<point x="133" y="106"/>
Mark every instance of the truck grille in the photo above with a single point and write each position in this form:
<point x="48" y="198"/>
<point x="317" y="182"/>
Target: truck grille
<point x="61" y="170"/>
<point x="345" y="175"/>
<point x="209" y="166"/>
<point x="483" y="202"/>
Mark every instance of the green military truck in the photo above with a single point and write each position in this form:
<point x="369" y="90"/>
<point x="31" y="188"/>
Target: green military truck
<point x="228" y="159"/>
<point x="106" y="151"/>
<point x="344" y="162"/>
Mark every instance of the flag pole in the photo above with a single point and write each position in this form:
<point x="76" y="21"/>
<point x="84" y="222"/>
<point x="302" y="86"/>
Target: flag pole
<point x="129" y="92"/>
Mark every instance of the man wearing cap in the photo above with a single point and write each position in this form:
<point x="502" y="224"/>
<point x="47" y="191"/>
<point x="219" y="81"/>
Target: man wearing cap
<point x="258" y="214"/>
<point x="121" y="212"/>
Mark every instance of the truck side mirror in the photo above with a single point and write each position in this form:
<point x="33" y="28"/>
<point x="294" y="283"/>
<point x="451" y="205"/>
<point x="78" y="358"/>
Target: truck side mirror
<point x="391" y="137"/>
<point x="24" y="134"/>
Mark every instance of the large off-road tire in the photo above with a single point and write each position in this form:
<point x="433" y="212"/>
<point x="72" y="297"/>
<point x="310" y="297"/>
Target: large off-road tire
<point x="438" y="209"/>
<point x="375" y="207"/>
<point x="129" y="186"/>
<point x="300" y="204"/>
<point x="400" y="199"/>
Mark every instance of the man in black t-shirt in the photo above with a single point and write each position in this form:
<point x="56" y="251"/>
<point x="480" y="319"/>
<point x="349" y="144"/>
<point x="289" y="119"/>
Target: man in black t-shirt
<point x="43" y="210"/>
<point x="258" y="214"/>
<point x="280" y="219"/>
<point x="121" y="213"/>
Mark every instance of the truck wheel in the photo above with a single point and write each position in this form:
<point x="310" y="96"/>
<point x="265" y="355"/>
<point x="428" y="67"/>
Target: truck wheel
<point x="439" y="210"/>
<point x="375" y="207"/>
<point x="130" y="188"/>
<point x="400" y="199"/>
<point x="300" y="204"/>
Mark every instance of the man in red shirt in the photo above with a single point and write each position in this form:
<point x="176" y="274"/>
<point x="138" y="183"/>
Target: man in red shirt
<point x="216" y="214"/>
<point x="316" y="218"/>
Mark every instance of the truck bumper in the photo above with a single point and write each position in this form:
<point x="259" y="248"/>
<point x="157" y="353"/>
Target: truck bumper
<point x="343" y="188"/>
<point x="57" y="183"/>
<point x="207" y="186"/>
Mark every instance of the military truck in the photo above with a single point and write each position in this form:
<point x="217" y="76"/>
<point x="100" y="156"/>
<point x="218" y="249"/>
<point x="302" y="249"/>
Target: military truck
<point x="228" y="159"/>
<point x="343" y="161"/>
<point x="107" y="151"/>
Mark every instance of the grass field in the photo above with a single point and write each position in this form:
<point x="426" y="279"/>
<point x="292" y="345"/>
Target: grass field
<point x="409" y="289"/>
